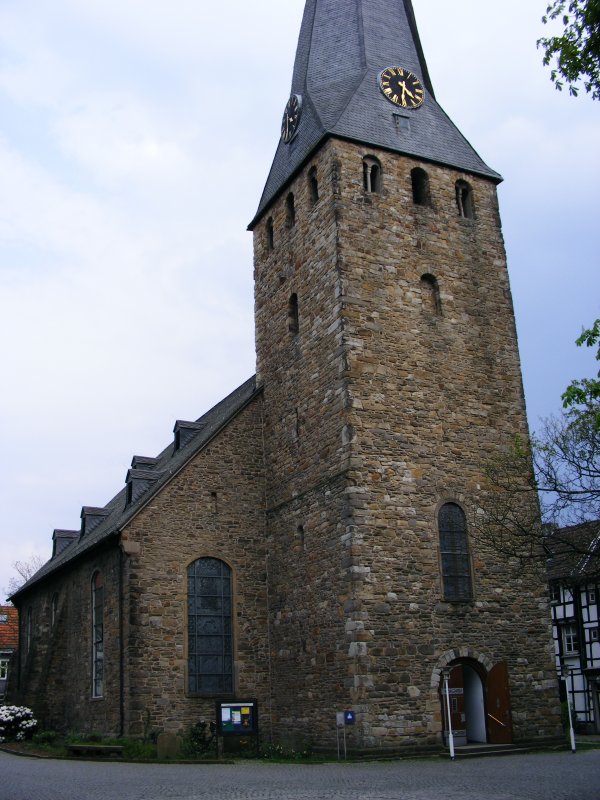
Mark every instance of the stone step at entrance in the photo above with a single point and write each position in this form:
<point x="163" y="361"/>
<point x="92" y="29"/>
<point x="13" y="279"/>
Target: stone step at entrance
<point x="477" y="750"/>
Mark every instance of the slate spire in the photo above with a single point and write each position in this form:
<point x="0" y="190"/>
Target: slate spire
<point x="343" y="47"/>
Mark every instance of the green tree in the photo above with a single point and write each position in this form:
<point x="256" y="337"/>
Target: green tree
<point x="533" y="490"/>
<point x="574" y="55"/>
<point x="584" y="395"/>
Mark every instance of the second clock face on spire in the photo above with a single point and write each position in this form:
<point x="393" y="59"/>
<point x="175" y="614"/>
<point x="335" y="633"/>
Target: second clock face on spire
<point x="401" y="87"/>
<point x="291" y="118"/>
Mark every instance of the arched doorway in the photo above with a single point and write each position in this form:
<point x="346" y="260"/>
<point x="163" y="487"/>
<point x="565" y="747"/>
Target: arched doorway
<point x="479" y="703"/>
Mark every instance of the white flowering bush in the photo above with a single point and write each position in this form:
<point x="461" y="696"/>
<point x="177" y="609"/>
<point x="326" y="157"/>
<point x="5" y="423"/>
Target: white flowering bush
<point x="16" y="722"/>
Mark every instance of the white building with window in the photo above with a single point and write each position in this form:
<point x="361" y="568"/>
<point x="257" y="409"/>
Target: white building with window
<point x="574" y="585"/>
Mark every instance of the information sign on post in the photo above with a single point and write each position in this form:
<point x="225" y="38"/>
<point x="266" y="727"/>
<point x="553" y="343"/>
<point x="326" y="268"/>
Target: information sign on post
<point x="343" y="718"/>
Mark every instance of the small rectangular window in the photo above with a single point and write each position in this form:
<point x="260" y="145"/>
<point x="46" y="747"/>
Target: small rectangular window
<point x="570" y="639"/>
<point x="555" y="593"/>
<point x="594" y="634"/>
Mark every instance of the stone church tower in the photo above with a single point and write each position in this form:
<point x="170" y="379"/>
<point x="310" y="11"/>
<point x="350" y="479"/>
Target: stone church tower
<point x="387" y="353"/>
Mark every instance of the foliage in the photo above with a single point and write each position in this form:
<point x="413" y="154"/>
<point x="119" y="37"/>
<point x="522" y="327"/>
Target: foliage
<point x="584" y="394"/>
<point x="575" y="53"/>
<point x="136" y="750"/>
<point x="278" y="752"/>
<point x="559" y="476"/>
<point x="199" y="739"/>
<point x="16" y="723"/>
<point x="46" y="738"/>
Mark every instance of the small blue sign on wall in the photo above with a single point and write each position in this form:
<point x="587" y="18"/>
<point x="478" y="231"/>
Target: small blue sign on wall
<point x="349" y="717"/>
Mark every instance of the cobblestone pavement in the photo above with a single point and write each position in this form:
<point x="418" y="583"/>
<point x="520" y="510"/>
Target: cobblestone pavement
<point x="558" y="776"/>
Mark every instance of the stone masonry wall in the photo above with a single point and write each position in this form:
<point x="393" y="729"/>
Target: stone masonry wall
<point x="307" y="455"/>
<point x="56" y="672"/>
<point x="434" y="393"/>
<point x="213" y="508"/>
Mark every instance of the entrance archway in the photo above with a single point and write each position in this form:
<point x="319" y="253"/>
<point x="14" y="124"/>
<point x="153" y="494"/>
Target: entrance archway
<point x="474" y="705"/>
<point x="479" y="702"/>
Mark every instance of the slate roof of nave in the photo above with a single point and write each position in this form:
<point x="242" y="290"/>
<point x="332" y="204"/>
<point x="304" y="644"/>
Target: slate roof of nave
<point x="575" y="553"/>
<point x="343" y="47"/>
<point x="168" y="463"/>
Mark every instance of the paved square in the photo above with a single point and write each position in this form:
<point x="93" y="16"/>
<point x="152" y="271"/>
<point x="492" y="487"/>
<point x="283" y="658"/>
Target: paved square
<point x="560" y="776"/>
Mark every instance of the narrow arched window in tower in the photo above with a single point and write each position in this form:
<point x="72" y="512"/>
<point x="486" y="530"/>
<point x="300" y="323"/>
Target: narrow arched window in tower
<point x="290" y="210"/>
<point x="210" y="628"/>
<point x="28" y="630"/>
<point x="454" y="552"/>
<point x="54" y="610"/>
<point x="464" y="200"/>
<point x="313" y="185"/>
<point x="420" y="187"/>
<point x="430" y="295"/>
<point x="293" y="315"/>
<point x="270" y="234"/>
<point x="371" y="175"/>
<point x="97" y="635"/>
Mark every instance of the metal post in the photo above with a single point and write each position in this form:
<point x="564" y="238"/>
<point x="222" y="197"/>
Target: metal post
<point x="339" y="723"/>
<point x="565" y="673"/>
<point x="446" y="674"/>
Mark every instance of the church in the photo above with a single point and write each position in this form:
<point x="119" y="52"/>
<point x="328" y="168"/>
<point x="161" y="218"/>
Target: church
<point x="306" y="542"/>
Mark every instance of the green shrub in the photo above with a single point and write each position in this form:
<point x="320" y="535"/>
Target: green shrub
<point x="136" y="750"/>
<point x="48" y="738"/>
<point x="199" y="740"/>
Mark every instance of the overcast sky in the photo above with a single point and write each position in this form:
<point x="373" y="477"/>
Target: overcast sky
<point x="135" y="140"/>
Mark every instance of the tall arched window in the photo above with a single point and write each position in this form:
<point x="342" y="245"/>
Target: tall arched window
<point x="270" y="234"/>
<point x="54" y="609"/>
<point x="97" y="635"/>
<point x="210" y="638"/>
<point x="420" y="187"/>
<point x="293" y="314"/>
<point x="454" y="550"/>
<point x="464" y="200"/>
<point x="28" y="630"/>
<point x="371" y="174"/>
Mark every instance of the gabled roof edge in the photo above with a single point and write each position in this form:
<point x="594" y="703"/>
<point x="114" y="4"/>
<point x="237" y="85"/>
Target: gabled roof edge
<point x="73" y="553"/>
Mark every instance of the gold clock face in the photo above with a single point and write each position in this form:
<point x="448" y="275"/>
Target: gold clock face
<point x="291" y="118"/>
<point x="401" y="87"/>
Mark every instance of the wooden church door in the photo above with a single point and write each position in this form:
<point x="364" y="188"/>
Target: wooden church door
<point x="499" y="722"/>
